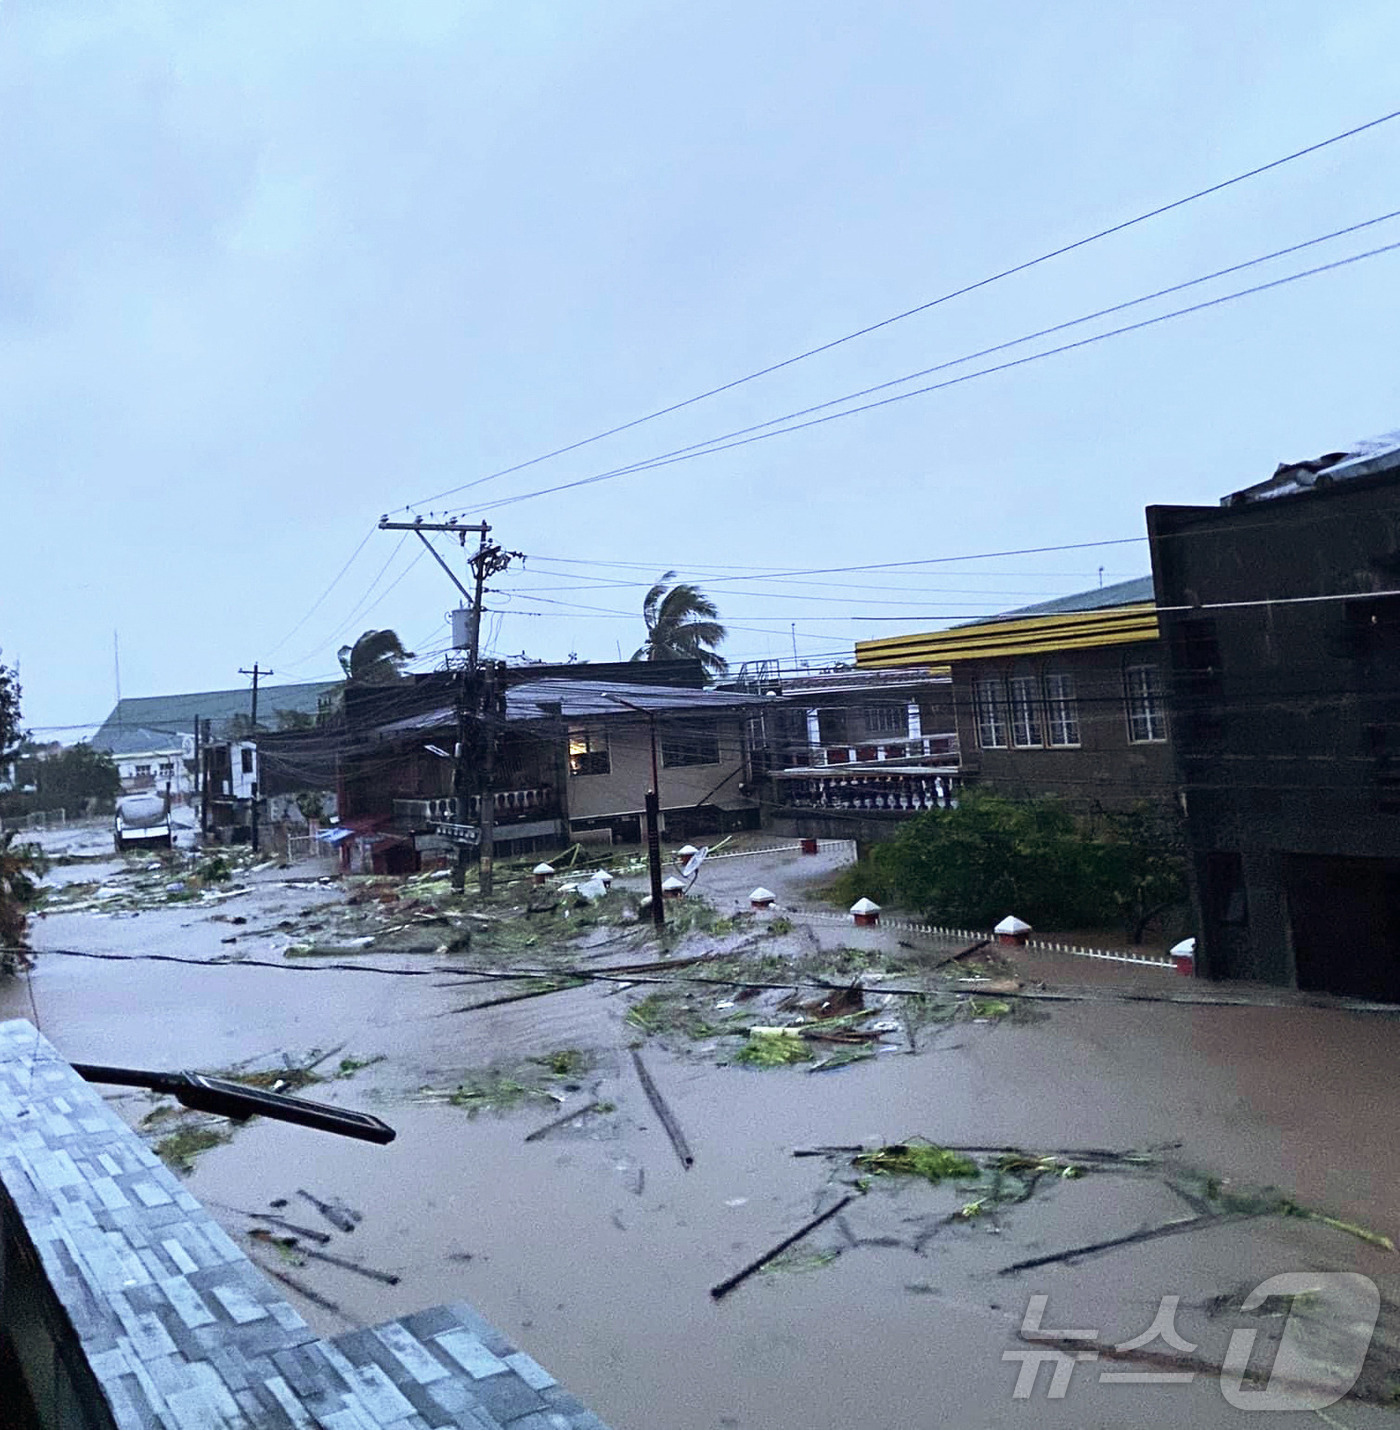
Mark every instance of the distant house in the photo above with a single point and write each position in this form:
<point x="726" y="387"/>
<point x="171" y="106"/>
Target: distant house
<point x="1280" y="612"/>
<point x="574" y="759"/>
<point x="152" y="738"/>
<point x="1065" y="697"/>
<point x="847" y="752"/>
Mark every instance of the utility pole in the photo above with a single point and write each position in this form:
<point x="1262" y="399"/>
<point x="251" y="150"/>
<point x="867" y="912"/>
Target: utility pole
<point x="255" y="673"/>
<point x="476" y="697"/>
<point x="653" y="819"/>
<point x="253" y="809"/>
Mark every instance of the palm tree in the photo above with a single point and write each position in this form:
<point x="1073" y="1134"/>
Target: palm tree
<point x="682" y="624"/>
<point x="375" y="659"/>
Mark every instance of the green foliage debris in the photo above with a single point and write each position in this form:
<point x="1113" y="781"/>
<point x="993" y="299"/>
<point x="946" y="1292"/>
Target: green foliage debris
<point x="772" y="1048"/>
<point x="179" y="1150"/>
<point x="916" y="1159"/>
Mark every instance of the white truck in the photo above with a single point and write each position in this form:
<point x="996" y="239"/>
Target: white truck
<point x="143" y="822"/>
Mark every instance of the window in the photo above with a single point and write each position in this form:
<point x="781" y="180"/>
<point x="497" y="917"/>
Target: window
<point x="247" y="761"/>
<point x="1062" y="710"/>
<point x="1147" y="716"/>
<point x="143" y="772"/>
<point x="588" y="752"/>
<point x="990" y="695"/>
<point x="1025" y="712"/>
<point x="695" y="745"/>
<point x="887" y="720"/>
<point x="167" y="769"/>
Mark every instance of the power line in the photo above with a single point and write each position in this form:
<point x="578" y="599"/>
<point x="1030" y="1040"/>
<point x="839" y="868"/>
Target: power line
<point x="922" y="307"/>
<point x="690" y="453"/>
<point x="698" y="447"/>
<point x="316" y="604"/>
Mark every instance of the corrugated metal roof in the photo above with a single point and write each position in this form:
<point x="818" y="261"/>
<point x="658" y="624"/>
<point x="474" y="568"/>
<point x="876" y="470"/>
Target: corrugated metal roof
<point x="1120" y="593"/>
<point x="584" y="700"/>
<point x="1368" y="457"/>
<point x="1121" y="614"/>
<point x="175" y="714"/>
<point x="137" y="740"/>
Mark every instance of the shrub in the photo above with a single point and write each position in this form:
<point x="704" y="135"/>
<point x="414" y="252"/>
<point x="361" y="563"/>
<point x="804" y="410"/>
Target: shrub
<point x="992" y="856"/>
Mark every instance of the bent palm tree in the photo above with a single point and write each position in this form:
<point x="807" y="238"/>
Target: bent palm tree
<point x="682" y="624"/>
<point x="375" y="659"/>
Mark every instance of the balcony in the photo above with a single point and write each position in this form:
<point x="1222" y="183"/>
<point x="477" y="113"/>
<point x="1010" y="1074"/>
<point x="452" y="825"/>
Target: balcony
<point x="893" y="793"/>
<point x="513" y="806"/>
<point x="942" y="749"/>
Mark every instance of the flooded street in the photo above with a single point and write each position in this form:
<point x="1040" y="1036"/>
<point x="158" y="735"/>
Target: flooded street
<point x="596" y="1250"/>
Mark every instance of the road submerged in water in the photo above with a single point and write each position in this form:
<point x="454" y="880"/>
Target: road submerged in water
<point x="594" y="1247"/>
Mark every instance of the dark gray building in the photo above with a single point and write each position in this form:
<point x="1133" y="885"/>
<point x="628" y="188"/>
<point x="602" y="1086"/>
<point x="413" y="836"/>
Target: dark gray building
<point x="1280" y="616"/>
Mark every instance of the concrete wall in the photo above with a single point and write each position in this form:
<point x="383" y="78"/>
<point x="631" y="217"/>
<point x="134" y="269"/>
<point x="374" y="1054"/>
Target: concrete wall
<point x="1287" y="730"/>
<point x="623" y="789"/>
<point x="1106" y="768"/>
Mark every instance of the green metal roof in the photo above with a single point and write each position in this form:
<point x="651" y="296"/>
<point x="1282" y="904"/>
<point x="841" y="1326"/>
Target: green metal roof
<point x="1120" y="593"/>
<point x="175" y="714"/>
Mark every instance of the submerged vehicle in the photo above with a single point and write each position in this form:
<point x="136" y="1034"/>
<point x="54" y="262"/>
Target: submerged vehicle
<point x="142" y="821"/>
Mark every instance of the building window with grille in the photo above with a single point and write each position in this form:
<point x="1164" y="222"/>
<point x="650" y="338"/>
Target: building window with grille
<point x="695" y="745"/>
<point x="990" y="697"/>
<point x="588" y="752"/>
<point x="1147" y="713"/>
<point x="887" y="720"/>
<point x="1025" y="712"/>
<point x="143" y="772"/>
<point x="167" y="769"/>
<point x="1061" y="710"/>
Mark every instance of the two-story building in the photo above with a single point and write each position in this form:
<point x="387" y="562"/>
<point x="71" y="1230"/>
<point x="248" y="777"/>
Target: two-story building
<point x="1064" y="697"/>
<point x="1280" y="610"/>
<point x="845" y="753"/>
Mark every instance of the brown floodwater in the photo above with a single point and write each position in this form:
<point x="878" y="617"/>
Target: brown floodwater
<point x="596" y="1250"/>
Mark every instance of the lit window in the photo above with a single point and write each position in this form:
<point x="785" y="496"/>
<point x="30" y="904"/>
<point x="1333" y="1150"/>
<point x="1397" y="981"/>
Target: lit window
<point x="696" y="745"/>
<point x="1147" y="715"/>
<point x="1025" y="712"/>
<point x="1062" y="710"/>
<point x="588" y="752"/>
<point x="990" y="695"/>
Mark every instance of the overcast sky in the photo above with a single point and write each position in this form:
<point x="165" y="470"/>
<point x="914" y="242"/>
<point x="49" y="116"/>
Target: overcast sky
<point x="268" y="271"/>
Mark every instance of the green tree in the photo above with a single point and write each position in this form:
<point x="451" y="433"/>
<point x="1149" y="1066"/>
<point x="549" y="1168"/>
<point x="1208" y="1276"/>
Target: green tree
<point x="10" y="733"/>
<point x="19" y="864"/>
<point x="682" y="624"/>
<point x="377" y="658"/>
<point x="295" y="720"/>
<point x="75" y="775"/>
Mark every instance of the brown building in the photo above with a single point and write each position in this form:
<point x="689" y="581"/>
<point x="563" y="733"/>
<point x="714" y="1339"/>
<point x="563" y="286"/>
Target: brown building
<point x="1065" y="697"/>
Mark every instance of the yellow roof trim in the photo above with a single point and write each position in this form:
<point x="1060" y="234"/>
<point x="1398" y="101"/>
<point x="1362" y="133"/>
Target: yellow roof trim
<point x="1035" y="635"/>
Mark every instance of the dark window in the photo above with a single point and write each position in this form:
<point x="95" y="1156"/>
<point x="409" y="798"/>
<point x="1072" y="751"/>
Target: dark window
<point x="886" y="720"/>
<point x="695" y="745"/>
<point x="1062" y="710"/>
<point x="1199" y="686"/>
<point x="588" y="752"/>
<point x="247" y="761"/>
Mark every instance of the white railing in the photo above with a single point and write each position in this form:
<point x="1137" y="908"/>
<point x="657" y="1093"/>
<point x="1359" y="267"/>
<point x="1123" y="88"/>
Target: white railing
<point x="509" y="804"/>
<point x="909" y="793"/>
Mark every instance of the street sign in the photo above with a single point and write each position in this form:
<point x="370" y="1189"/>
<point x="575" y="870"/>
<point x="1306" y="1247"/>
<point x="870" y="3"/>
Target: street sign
<point x="457" y="833"/>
